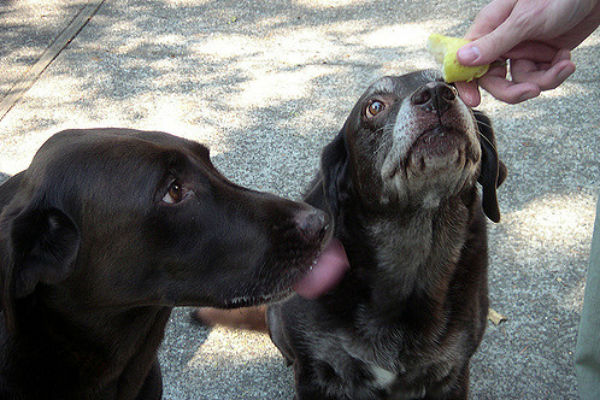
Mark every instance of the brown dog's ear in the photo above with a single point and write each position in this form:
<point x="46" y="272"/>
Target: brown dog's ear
<point x="38" y="246"/>
<point x="493" y="171"/>
<point x="334" y="170"/>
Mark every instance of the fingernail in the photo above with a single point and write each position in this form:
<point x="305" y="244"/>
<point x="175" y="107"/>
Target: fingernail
<point x="528" y="95"/>
<point x="564" y="73"/>
<point x="468" y="54"/>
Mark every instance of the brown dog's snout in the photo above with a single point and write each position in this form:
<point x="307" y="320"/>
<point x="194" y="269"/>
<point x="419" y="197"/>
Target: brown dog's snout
<point x="434" y="96"/>
<point x="313" y="224"/>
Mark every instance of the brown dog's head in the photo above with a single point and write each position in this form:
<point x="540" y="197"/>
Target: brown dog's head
<point x="118" y="218"/>
<point x="410" y="142"/>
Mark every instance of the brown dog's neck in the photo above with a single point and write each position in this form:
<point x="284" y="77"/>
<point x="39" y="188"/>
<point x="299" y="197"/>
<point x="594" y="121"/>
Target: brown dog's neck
<point x="113" y="362"/>
<point x="410" y="252"/>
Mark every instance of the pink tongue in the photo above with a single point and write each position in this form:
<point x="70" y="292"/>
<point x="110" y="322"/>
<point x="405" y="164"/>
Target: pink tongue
<point x="329" y="269"/>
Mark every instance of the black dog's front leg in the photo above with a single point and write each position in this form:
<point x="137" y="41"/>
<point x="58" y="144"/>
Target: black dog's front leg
<point x="152" y="388"/>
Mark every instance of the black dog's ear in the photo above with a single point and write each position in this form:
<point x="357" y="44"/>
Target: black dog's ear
<point x="336" y="177"/>
<point x="38" y="246"/>
<point x="45" y="244"/>
<point x="493" y="171"/>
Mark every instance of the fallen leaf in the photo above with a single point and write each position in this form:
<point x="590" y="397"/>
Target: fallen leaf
<point x="496" y="317"/>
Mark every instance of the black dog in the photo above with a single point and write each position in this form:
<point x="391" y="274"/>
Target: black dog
<point x="104" y="233"/>
<point x="400" y="181"/>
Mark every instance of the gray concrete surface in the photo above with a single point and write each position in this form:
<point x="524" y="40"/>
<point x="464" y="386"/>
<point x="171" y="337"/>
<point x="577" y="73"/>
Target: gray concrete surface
<point x="29" y="27"/>
<point x="266" y="85"/>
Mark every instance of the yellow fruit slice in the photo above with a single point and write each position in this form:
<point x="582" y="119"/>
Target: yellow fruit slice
<point x="444" y="50"/>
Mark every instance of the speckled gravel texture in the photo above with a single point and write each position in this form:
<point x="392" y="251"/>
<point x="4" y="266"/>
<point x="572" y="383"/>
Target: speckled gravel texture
<point x="266" y="85"/>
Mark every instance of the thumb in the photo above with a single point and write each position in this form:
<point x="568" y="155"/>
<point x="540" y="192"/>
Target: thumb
<point x="490" y="47"/>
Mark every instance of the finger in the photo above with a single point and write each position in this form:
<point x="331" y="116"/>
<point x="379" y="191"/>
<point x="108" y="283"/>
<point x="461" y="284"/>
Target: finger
<point x="508" y="91"/>
<point x="469" y="93"/>
<point x="494" y="45"/>
<point x="498" y="70"/>
<point x="562" y="54"/>
<point x="558" y="74"/>
<point x="545" y="79"/>
<point x="489" y="18"/>
<point x="534" y="51"/>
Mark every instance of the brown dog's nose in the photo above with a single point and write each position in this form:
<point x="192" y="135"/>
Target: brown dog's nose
<point x="313" y="224"/>
<point x="434" y="96"/>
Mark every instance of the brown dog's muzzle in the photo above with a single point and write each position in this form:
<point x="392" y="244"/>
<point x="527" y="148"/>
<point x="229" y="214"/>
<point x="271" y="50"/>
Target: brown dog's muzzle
<point x="434" y="96"/>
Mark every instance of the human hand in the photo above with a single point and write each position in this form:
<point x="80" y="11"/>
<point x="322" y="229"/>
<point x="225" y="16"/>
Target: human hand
<point x="535" y="36"/>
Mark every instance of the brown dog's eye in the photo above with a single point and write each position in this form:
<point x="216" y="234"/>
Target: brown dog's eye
<point x="374" y="108"/>
<point x="174" y="194"/>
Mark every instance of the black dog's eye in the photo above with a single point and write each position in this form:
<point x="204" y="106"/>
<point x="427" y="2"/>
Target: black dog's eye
<point x="374" y="108"/>
<point x="175" y="193"/>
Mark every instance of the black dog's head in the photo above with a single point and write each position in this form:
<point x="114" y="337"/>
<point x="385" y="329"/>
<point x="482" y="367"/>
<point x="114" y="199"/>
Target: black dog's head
<point x="119" y="218"/>
<point x="411" y="142"/>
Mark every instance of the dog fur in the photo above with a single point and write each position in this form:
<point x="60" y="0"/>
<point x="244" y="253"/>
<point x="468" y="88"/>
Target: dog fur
<point x="106" y="232"/>
<point x="400" y="183"/>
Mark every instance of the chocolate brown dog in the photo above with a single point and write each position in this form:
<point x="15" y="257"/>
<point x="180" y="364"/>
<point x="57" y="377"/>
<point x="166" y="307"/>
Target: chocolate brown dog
<point x="400" y="182"/>
<point x="107" y="231"/>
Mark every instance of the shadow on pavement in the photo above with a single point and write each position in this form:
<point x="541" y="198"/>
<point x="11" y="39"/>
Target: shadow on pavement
<point x="3" y="177"/>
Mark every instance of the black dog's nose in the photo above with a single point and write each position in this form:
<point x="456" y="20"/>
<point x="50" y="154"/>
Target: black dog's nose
<point x="313" y="224"/>
<point x="434" y="96"/>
